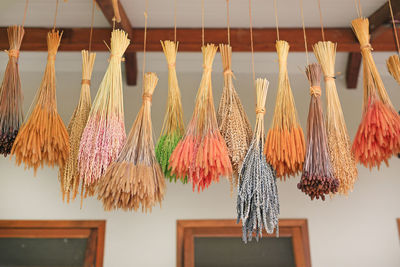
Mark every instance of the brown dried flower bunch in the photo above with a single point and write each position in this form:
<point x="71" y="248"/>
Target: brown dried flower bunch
<point x="135" y="179"/>
<point x="43" y="138"/>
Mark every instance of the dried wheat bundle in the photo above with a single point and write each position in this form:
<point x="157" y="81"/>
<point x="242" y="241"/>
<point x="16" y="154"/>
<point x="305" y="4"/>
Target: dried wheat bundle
<point x="11" y="115"/>
<point x="231" y="117"/>
<point x="342" y="158"/>
<point x="69" y="175"/>
<point x="393" y="65"/>
<point x="285" y="148"/>
<point x="257" y="202"/>
<point x="378" y="136"/>
<point x="202" y="154"/>
<point x="173" y="127"/>
<point x="43" y="138"/>
<point x="318" y="177"/>
<point x="135" y="179"/>
<point x="104" y="134"/>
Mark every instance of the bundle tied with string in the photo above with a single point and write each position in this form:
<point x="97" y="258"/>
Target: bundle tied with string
<point x="318" y="177"/>
<point x="43" y="138"/>
<point x="69" y="174"/>
<point x="202" y="154"/>
<point x="378" y="136"/>
<point x="173" y="127"/>
<point x="257" y="201"/>
<point x="11" y="115"/>
<point x="232" y="119"/>
<point x="343" y="161"/>
<point x="285" y="148"/>
<point x="104" y="134"/>
<point x="135" y="179"/>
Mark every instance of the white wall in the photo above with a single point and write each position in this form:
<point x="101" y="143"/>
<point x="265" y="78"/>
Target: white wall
<point x="359" y="230"/>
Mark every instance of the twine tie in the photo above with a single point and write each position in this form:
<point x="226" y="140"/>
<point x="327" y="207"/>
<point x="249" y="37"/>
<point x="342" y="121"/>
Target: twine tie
<point x="13" y="53"/>
<point x="147" y="97"/>
<point x="315" y="91"/>
<point x="85" y="81"/>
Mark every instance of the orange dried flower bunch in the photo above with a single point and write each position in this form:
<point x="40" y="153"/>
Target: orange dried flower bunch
<point x="202" y="154"/>
<point x="285" y="146"/>
<point x="378" y="136"/>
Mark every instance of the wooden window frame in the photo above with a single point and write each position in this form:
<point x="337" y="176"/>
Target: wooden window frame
<point x="187" y="230"/>
<point x="94" y="231"/>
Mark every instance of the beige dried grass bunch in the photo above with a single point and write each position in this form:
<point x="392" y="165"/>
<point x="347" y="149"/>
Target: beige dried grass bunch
<point x="393" y="65"/>
<point x="69" y="175"/>
<point x="135" y="179"/>
<point x="285" y="146"/>
<point x="43" y="138"/>
<point x="342" y="158"/>
<point x="11" y="115"/>
<point x="232" y="119"/>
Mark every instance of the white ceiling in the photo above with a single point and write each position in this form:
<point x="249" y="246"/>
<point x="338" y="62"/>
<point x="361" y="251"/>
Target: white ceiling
<point x="76" y="13"/>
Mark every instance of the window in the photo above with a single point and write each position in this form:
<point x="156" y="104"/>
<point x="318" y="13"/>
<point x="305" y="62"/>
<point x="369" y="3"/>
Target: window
<point x="52" y="243"/>
<point x="218" y="243"/>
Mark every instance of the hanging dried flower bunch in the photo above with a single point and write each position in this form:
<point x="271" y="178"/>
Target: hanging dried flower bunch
<point x="342" y="158"/>
<point x="393" y="65"/>
<point x="378" y="136"/>
<point x="135" y="179"/>
<point x="202" y="154"/>
<point x="257" y="202"/>
<point x="43" y="138"/>
<point x="104" y="134"/>
<point x="11" y="115"/>
<point x="285" y="148"/>
<point x="69" y="175"/>
<point x="318" y="177"/>
<point x="232" y="119"/>
<point x="173" y="127"/>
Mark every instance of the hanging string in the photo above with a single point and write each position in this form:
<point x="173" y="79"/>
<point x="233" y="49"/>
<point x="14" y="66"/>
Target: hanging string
<point x="252" y="43"/>
<point x="304" y="31"/>
<point x="202" y="22"/>
<point x="276" y="19"/>
<point x="228" y="22"/>
<point x="320" y="20"/>
<point x="25" y="11"/>
<point x="394" y="27"/>
<point x="91" y="27"/>
<point x="145" y="38"/>
<point x="55" y="16"/>
<point x="175" y="7"/>
<point x="358" y="8"/>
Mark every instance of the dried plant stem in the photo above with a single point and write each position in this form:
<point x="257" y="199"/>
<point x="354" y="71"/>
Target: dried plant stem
<point x="393" y="65"/>
<point x="43" y="138"/>
<point x="232" y="119"/>
<point x="202" y="154"/>
<point x="104" y="134"/>
<point x="257" y="202"/>
<point x="173" y="127"/>
<point x="342" y="158"/>
<point x="318" y="177"/>
<point x="69" y="175"/>
<point x="285" y="148"/>
<point x="135" y="179"/>
<point x="11" y="115"/>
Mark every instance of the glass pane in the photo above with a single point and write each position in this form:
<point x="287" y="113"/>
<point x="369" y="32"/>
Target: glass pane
<point x="232" y="252"/>
<point x="44" y="252"/>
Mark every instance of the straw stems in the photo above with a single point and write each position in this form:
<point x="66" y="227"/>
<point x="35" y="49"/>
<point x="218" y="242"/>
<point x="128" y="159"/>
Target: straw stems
<point x="202" y="154"/>
<point x="11" y="115"/>
<point x="257" y="201"/>
<point x="232" y="119"/>
<point x="104" y="134"/>
<point x="378" y="136"/>
<point x="173" y="126"/>
<point x="135" y="179"/>
<point x="393" y="65"/>
<point x="285" y="148"/>
<point x="342" y="158"/>
<point x="318" y="177"/>
<point x="69" y="175"/>
<point x="43" y="138"/>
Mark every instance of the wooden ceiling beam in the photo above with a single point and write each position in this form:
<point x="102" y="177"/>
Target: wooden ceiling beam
<point x="106" y="7"/>
<point x="75" y="39"/>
